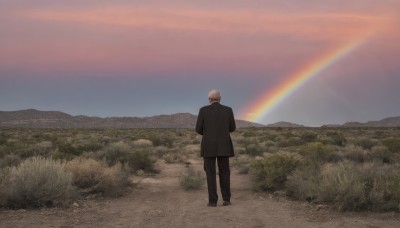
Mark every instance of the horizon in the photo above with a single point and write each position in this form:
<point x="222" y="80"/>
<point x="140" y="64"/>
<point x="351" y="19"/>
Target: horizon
<point x="310" y="63"/>
<point x="168" y="114"/>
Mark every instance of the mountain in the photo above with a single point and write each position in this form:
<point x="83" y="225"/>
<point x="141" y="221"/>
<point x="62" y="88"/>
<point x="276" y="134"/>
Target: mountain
<point x="32" y="118"/>
<point x="386" y="122"/>
<point x="284" y="124"/>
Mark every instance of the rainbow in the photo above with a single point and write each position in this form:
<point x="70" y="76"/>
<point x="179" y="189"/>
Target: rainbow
<point x="272" y="98"/>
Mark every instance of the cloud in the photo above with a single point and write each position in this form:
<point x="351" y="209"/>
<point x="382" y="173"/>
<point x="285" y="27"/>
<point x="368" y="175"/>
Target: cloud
<point x="311" y="25"/>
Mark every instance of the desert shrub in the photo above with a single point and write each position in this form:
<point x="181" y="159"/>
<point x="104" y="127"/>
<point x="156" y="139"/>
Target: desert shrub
<point x="393" y="144"/>
<point x="348" y="186"/>
<point x="116" y="153"/>
<point x="10" y="160"/>
<point x="173" y="156"/>
<point x="38" y="182"/>
<point x="337" y="138"/>
<point x="243" y="163"/>
<point x="318" y="152"/>
<point x="137" y="159"/>
<point x="384" y="194"/>
<point x="366" y="143"/>
<point x="90" y="147"/>
<point x="342" y="186"/>
<point x="240" y="150"/>
<point x="303" y="183"/>
<point x="4" y="185"/>
<point x="43" y="148"/>
<point x="159" y="151"/>
<point x="381" y="153"/>
<point x="249" y="134"/>
<point x="142" y="143"/>
<point x="253" y="149"/>
<point x="356" y="154"/>
<point x="308" y="136"/>
<point x="3" y="138"/>
<point x="270" y="173"/>
<point x="93" y="176"/>
<point x="292" y="141"/>
<point x="161" y="140"/>
<point x="191" y="179"/>
<point x="141" y="160"/>
<point x="69" y="149"/>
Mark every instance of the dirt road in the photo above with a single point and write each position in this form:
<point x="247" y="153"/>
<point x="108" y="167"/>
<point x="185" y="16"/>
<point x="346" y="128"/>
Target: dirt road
<point x="159" y="201"/>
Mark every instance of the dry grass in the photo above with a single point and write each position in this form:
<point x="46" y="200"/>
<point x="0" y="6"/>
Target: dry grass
<point x="36" y="182"/>
<point x="92" y="176"/>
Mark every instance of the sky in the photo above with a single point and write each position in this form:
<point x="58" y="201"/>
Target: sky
<point x="150" y="57"/>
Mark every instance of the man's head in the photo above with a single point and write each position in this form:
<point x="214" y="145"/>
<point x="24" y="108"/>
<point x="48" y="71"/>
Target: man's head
<point x="214" y="96"/>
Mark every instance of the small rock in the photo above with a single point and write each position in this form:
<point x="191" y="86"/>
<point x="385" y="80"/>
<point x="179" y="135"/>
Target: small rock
<point x="75" y="204"/>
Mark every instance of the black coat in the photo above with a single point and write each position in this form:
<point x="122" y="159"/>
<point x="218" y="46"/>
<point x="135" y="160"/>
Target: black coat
<point x="215" y="122"/>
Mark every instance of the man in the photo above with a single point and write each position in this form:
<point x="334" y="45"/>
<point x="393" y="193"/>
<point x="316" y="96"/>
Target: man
<point x="215" y="122"/>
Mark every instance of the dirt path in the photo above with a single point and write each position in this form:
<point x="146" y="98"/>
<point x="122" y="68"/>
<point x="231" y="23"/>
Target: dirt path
<point x="159" y="201"/>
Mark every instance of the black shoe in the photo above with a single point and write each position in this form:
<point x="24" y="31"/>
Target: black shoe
<point x="212" y="204"/>
<point x="226" y="203"/>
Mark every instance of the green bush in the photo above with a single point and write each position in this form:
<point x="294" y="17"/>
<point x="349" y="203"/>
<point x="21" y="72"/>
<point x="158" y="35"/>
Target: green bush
<point x="141" y="160"/>
<point x="309" y="136"/>
<point x="116" y="153"/>
<point x="253" y="149"/>
<point x="393" y="144"/>
<point x="138" y="159"/>
<point x="319" y="153"/>
<point x="192" y="180"/>
<point x="270" y="173"/>
<point x="37" y="182"/>
<point x="161" y="140"/>
<point x="337" y="138"/>
<point x="382" y="154"/>
<point x="3" y="138"/>
<point x="366" y="143"/>
<point x="249" y="134"/>
<point x="68" y="149"/>
<point x="349" y="186"/>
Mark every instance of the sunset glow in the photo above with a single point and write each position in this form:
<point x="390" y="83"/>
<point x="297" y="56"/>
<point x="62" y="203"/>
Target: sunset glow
<point x="273" y="61"/>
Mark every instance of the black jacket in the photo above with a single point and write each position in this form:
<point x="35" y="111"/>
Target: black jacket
<point x="215" y="122"/>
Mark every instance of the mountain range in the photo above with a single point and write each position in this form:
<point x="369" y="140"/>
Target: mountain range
<point x="386" y="122"/>
<point x="32" y="118"/>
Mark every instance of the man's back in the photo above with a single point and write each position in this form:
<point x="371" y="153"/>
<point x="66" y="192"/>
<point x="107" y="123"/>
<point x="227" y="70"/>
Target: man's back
<point x="215" y="122"/>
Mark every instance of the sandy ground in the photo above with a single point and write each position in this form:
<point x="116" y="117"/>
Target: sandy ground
<point x="159" y="201"/>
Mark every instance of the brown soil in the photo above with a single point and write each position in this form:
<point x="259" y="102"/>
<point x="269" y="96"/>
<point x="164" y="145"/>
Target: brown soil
<point x="159" y="201"/>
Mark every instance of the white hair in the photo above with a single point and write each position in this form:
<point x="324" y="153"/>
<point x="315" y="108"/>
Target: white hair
<point x="214" y="95"/>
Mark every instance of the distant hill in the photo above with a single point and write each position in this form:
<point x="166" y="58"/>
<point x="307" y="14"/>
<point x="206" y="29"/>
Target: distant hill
<point x="32" y="118"/>
<point x="284" y="124"/>
<point x="386" y="122"/>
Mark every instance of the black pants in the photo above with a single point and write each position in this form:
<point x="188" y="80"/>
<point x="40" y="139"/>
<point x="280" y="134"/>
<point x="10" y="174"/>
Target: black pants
<point x="224" y="178"/>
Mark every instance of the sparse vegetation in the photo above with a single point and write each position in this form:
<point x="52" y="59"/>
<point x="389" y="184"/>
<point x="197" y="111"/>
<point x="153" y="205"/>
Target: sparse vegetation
<point x="35" y="182"/>
<point x="192" y="179"/>
<point x="270" y="173"/>
<point x="350" y="169"/>
<point x="93" y="176"/>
